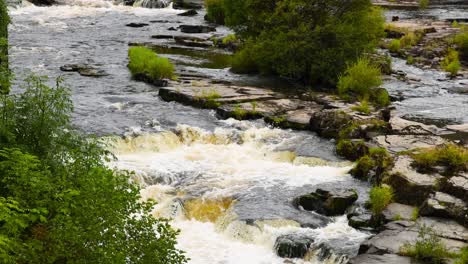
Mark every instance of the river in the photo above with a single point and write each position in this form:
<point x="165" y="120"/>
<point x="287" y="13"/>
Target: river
<point x="227" y="185"/>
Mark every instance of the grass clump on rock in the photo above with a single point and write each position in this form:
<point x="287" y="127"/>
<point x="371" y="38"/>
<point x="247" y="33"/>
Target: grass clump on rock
<point x="373" y="166"/>
<point x="146" y="64"/>
<point x="428" y="248"/>
<point x="461" y="41"/>
<point x="453" y="157"/>
<point x="379" y="198"/>
<point x="451" y="63"/>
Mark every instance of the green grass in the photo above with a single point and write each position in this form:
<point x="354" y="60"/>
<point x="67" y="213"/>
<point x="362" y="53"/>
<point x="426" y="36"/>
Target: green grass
<point x="415" y="214"/>
<point x="451" y="62"/>
<point x="359" y="78"/>
<point x="428" y="248"/>
<point x="363" y="107"/>
<point x="461" y="41"/>
<point x="462" y="257"/>
<point x="423" y="4"/>
<point x="379" y="198"/>
<point x="231" y="38"/>
<point x="394" y="46"/>
<point x="144" y="61"/>
<point x="410" y="60"/>
<point x="239" y="113"/>
<point x="453" y="157"/>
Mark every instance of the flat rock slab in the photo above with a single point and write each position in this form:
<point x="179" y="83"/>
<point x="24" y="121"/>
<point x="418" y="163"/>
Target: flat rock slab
<point x="410" y="186"/>
<point x="459" y="128"/>
<point x="398" y="143"/>
<point x="381" y="259"/>
<point x="199" y="93"/>
<point x="402" y="126"/>
<point x="397" y="211"/>
<point x="457" y="186"/>
<point x="445" y="205"/>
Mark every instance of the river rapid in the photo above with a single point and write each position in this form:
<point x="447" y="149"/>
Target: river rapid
<point x="227" y="185"/>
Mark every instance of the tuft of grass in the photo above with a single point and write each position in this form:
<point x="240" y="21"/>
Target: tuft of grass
<point x="379" y="198"/>
<point x="415" y="214"/>
<point x="359" y="78"/>
<point x="410" y="60"/>
<point x="410" y="39"/>
<point x="394" y="46"/>
<point x="144" y="61"/>
<point x="453" y="157"/>
<point x="362" y="108"/>
<point x="428" y="248"/>
<point x="231" y="38"/>
<point x="239" y="113"/>
<point x="461" y="41"/>
<point x="462" y="257"/>
<point x="455" y="24"/>
<point x="423" y="4"/>
<point x="208" y="97"/>
<point x="451" y="63"/>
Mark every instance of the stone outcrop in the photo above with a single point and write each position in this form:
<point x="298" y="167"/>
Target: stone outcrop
<point x="293" y="245"/>
<point x="399" y="143"/>
<point x="330" y="203"/>
<point x="397" y="211"/>
<point x="84" y="70"/>
<point x="456" y="186"/>
<point x="446" y="206"/>
<point x="329" y="123"/>
<point x="402" y="126"/>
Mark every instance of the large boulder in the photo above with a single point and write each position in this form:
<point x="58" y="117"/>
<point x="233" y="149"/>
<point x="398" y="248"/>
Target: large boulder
<point x="293" y="245"/>
<point x="410" y="186"/>
<point x="329" y="123"/>
<point x="326" y="202"/>
<point x="444" y="205"/>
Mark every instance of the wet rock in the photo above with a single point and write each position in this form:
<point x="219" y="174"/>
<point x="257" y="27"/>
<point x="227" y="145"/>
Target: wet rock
<point x="329" y="123"/>
<point x="293" y="245"/>
<point x="147" y="79"/>
<point x="446" y="206"/>
<point x="405" y="127"/>
<point x="187" y="4"/>
<point x="84" y="70"/>
<point x="381" y="259"/>
<point x="128" y="2"/>
<point x="361" y="221"/>
<point x="193" y="42"/>
<point x="410" y="186"/>
<point x="397" y="211"/>
<point x="191" y="12"/>
<point x="196" y="29"/>
<point x="162" y="37"/>
<point x="172" y="29"/>
<point x="137" y="25"/>
<point x="43" y="2"/>
<point x="326" y="202"/>
<point x="456" y="186"/>
<point x="352" y="149"/>
<point x="398" y="143"/>
<point x="445" y="228"/>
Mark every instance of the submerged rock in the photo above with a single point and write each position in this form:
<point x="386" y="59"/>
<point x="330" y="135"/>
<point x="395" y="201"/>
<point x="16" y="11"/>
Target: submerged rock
<point x="326" y="202"/>
<point x="191" y="12"/>
<point x="43" y="2"/>
<point x="293" y="245"/>
<point x="84" y="70"/>
<point x="196" y="29"/>
<point x="188" y="4"/>
<point x="137" y="25"/>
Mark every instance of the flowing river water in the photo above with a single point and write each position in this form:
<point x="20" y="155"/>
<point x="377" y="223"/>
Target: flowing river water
<point x="227" y="185"/>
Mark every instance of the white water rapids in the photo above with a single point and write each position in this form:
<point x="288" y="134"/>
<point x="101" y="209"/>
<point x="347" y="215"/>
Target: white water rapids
<point x="227" y="185"/>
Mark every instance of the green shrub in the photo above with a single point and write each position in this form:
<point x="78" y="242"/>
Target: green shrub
<point x="410" y="39"/>
<point x="415" y="214"/>
<point x="59" y="203"/>
<point x="244" y="61"/>
<point x="423" y="4"/>
<point x="215" y="11"/>
<point x="380" y="97"/>
<point x="462" y="257"/>
<point x="363" y="107"/>
<point x="307" y="40"/>
<point x="394" y="46"/>
<point x="4" y="71"/>
<point x="359" y="78"/>
<point x="144" y="61"/>
<point x="378" y="161"/>
<point x="453" y="157"/>
<point x="379" y="198"/>
<point x="455" y="24"/>
<point x="461" y="40"/>
<point x="451" y="62"/>
<point x="428" y="248"/>
<point x="410" y="60"/>
<point x="231" y="38"/>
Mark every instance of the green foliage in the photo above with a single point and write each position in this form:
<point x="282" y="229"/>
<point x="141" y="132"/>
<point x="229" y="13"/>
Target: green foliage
<point x="208" y="99"/>
<point x="461" y="40"/>
<point x="410" y="60"/>
<point x="308" y="40"/>
<point x="410" y="39"/>
<point x="451" y="63"/>
<point x="423" y="4"/>
<point x="462" y="257"/>
<point x="244" y="61"/>
<point x="239" y="113"/>
<point x="145" y="62"/>
<point x="379" y="198"/>
<point x="363" y="107"/>
<point x="215" y="11"/>
<point x="428" y="248"/>
<point x="59" y="203"/>
<point x="455" y="24"/>
<point x="359" y="78"/>
<point x="231" y="38"/>
<point x="415" y="214"/>
<point x="395" y="46"/>
<point x="451" y="156"/>
<point x="352" y="150"/>
<point x="380" y="97"/>
<point x="4" y="71"/>
<point x="377" y="161"/>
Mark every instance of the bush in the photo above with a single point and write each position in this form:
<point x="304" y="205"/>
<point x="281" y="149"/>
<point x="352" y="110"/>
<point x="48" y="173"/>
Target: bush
<point x="359" y="78"/>
<point x="244" y="61"/>
<point x="453" y="157"/>
<point x="4" y="71"/>
<point x="59" y="203"/>
<point x="351" y="150"/>
<point x="428" y="248"/>
<point x="461" y="40"/>
<point x="215" y="11"/>
<point x="144" y="61"/>
<point x="395" y="46"/>
<point x="410" y="60"/>
<point x="307" y="40"/>
<point x="379" y="198"/>
<point x="380" y="97"/>
<point x="423" y="4"/>
<point x="363" y="107"/>
<point x="451" y="63"/>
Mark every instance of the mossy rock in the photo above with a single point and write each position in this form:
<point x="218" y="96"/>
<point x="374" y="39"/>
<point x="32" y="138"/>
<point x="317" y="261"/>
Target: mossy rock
<point x="329" y="123"/>
<point x="352" y="149"/>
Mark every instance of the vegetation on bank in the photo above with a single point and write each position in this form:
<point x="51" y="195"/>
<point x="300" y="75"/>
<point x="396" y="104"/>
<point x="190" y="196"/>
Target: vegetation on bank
<point x="310" y="41"/>
<point x="4" y="71"/>
<point x="451" y="63"/>
<point x="452" y="157"/>
<point x="379" y="198"/>
<point x="59" y="203"/>
<point x="145" y="63"/>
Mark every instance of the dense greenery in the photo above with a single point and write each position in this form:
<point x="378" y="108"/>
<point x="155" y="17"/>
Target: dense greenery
<point x="451" y="63"/>
<point x="59" y="203"/>
<point x="453" y="157"/>
<point x="4" y="71"/>
<point x="379" y="198"/>
<point x="461" y="40"/>
<point x="308" y="40"/>
<point x="428" y="248"/>
<point x="145" y="62"/>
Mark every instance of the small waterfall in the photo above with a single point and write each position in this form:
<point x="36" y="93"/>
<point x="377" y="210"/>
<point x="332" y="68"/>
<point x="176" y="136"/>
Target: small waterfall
<point x="152" y="3"/>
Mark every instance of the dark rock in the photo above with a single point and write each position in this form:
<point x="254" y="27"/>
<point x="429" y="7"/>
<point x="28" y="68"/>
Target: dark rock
<point x="172" y="29"/>
<point x="190" y="12"/>
<point x="445" y="206"/>
<point x="396" y="212"/>
<point x="456" y="186"/>
<point x="162" y="37"/>
<point x="137" y="25"/>
<point x="187" y="4"/>
<point x="147" y="79"/>
<point x="361" y="221"/>
<point x="329" y="123"/>
<point x="129" y="2"/>
<point x="293" y="245"/>
<point x="43" y="2"/>
<point x="325" y="202"/>
<point x="381" y="259"/>
<point x="410" y="186"/>
<point x="193" y="42"/>
<point x="196" y="29"/>
<point x="395" y="18"/>
<point x="84" y="70"/>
